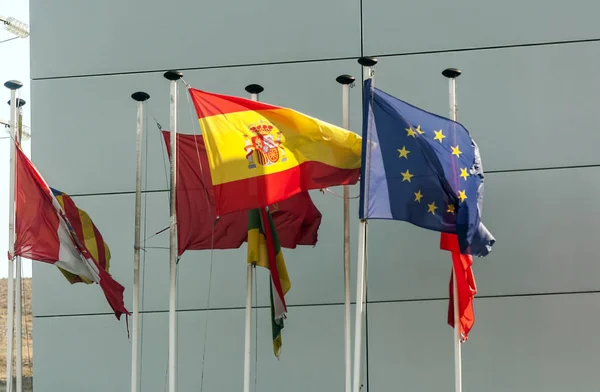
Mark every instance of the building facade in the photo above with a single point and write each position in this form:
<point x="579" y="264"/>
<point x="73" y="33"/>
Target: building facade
<point x="529" y="95"/>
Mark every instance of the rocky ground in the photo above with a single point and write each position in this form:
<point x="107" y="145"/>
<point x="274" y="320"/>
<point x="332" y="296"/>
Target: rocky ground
<point x="26" y="336"/>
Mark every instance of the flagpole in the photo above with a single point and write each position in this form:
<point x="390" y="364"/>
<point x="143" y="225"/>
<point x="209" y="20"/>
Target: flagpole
<point x="368" y="64"/>
<point x="452" y="74"/>
<point x="18" y="288"/>
<point x="173" y="77"/>
<point x="253" y="90"/>
<point x="13" y="85"/>
<point x="139" y="97"/>
<point x="346" y="81"/>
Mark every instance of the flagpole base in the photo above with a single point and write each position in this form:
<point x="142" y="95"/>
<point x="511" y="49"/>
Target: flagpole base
<point x="451" y="73"/>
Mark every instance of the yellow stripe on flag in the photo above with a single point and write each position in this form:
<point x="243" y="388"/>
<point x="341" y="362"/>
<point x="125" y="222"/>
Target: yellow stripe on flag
<point x="257" y="254"/>
<point x="300" y="139"/>
<point x="89" y="236"/>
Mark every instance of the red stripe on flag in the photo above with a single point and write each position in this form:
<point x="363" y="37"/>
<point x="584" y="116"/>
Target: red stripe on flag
<point x="273" y="188"/>
<point x="101" y="248"/>
<point x="72" y="213"/>
<point x="210" y="104"/>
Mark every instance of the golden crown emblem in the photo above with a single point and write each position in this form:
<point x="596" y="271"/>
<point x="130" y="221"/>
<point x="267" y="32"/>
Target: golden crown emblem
<point x="261" y="128"/>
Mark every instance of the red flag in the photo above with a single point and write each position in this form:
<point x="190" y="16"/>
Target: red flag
<point x="297" y="219"/>
<point x="465" y="281"/>
<point x="44" y="232"/>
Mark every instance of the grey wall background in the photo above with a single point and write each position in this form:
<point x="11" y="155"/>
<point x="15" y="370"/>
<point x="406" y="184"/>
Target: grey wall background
<point x="528" y="94"/>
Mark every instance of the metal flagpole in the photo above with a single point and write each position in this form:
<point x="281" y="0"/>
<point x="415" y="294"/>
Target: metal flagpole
<point x="368" y="64"/>
<point x="253" y="90"/>
<point x="13" y="85"/>
<point x="139" y="97"/>
<point x="346" y="81"/>
<point x="18" y="271"/>
<point x="173" y="76"/>
<point x="452" y="74"/>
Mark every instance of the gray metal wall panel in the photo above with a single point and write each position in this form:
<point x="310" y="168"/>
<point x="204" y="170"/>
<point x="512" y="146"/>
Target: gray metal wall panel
<point x="542" y="245"/>
<point x="109" y="352"/>
<point x="429" y="25"/>
<point x="96" y="117"/>
<point x="409" y="345"/>
<point x="316" y="273"/>
<point x="518" y="103"/>
<point x="532" y="254"/>
<point x="115" y="36"/>
<point x="526" y="107"/>
<point x="518" y="121"/>
<point x="517" y="344"/>
<point x="89" y="353"/>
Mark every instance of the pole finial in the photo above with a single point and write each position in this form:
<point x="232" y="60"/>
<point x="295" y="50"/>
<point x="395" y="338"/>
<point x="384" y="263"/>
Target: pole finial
<point x="345" y="79"/>
<point x="173" y="75"/>
<point x="451" y="73"/>
<point x="13" y="84"/>
<point x="140" y="96"/>
<point x="367" y="61"/>
<point x="20" y="102"/>
<point x="254" y="89"/>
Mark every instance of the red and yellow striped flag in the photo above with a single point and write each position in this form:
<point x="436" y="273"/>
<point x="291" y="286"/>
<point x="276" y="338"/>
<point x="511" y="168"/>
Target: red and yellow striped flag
<point x="86" y="230"/>
<point x="260" y="154"/>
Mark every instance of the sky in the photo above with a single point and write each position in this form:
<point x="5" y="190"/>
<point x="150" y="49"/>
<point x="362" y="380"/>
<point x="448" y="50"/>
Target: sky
<point x="14" y="65"/>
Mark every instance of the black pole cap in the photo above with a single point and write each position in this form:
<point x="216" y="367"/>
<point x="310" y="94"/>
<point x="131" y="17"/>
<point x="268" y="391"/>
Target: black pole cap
<point x="345" y="79"/>
<point x="367" y="61"/>
<point x="451" y="73"/>
<point x="140" y="96"/>
<point x="173" y="75"/>
<point x="20" y="102"/>
<point x="13" y="84"/>
<point x="254" y="89"/>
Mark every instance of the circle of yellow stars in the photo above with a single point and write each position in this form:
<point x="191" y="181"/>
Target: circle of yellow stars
<point x="407" y="175"/>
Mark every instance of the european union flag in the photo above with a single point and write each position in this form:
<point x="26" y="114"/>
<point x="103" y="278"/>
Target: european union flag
<point x="421" y="168"/>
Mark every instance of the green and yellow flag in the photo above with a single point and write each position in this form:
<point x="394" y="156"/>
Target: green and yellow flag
<point x="264" y="250"/>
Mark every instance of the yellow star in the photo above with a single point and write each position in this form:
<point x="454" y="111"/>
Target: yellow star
<point x="439" y="135"/>
<point x="419" y="131"/>
<point x="406" y="176"/>
<point x="451" y="208"/>
<point x="431" y="208"/>
<point x="410" y="132"/>
<point x="456" y="151"/>
<point x="463" y="173"/>
<point x="462" y="195"/>
<point x="404" y="152"/>
<point x="418" y="196"/>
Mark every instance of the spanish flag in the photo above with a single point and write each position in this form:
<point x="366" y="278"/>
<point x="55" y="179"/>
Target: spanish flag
<point x="264" y="250"/>
<point x="260" y="154"/>
<point x="297" y="219"/>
